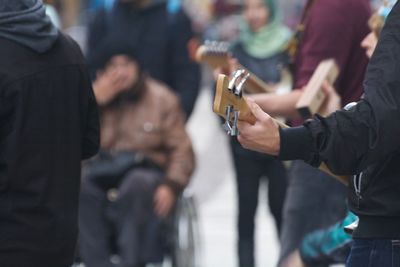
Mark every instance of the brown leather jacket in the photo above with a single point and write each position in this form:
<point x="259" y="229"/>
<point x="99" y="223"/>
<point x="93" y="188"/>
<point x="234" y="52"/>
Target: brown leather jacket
<point x="155" y="126"/>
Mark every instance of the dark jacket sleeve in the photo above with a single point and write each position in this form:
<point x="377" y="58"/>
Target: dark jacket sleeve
<point x="184" y="72"/>
<point x="90" y="124"/>
<point x="91" y="135"/>
<point x="349" y="141"/>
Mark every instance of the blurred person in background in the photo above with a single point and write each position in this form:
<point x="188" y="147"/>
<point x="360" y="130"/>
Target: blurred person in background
<point x="292" y="11"/>
<point x="161" y="40"/>
<point x="260" y="48"/>
<point x="49" y="123"/>
<point x="99" y="4"/>
<point x="141" y="121"/>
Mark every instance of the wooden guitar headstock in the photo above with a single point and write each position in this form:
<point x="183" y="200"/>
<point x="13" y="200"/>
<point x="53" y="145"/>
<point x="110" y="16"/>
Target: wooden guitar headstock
<point x="228" y="94"/>
<point x="230" y="104"/>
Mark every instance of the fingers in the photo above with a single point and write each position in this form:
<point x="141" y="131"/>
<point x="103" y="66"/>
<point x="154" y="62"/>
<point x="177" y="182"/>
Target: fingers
<point x="233" y="64"/>
<point x="160" y="206"/>
<point x="327" y="87"/>
<point x="163" y="201"/>
<point x="217" y="72"/>
<point x="256" y="110"/>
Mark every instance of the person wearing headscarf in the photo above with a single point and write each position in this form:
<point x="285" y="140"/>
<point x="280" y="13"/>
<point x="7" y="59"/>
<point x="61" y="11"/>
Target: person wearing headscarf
<point x="260" y="48"/>
<point x="48" y="124"/>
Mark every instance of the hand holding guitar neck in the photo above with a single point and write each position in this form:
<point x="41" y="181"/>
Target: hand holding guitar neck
<point x="259" y="131"/>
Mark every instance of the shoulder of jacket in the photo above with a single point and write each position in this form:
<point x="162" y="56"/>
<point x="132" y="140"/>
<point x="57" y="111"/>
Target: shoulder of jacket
<point x="161" y="91"/>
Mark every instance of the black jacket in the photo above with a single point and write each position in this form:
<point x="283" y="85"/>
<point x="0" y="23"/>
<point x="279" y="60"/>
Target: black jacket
<point x="160" y="41"/>
<point x="364" y="141"/>
<point x="48" y="124"/>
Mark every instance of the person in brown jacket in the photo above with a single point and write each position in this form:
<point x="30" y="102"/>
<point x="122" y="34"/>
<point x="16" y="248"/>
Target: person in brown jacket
<point x="140" y="117"/>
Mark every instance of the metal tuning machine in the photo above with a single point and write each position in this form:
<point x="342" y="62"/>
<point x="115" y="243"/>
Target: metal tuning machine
<point x="235" y="87"/>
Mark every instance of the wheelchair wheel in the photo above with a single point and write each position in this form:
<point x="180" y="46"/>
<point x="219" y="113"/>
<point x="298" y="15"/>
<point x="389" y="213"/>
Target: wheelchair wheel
<point x="186" y="240"/>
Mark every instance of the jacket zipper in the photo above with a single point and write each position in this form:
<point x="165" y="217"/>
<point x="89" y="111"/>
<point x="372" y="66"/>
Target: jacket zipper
<point x="357" y="186"/>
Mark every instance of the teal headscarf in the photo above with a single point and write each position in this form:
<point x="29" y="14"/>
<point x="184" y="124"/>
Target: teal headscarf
<point x="269" y="40"/>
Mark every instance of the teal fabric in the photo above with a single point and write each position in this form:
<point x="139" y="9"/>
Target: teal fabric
<point x="269" y="40"/>
<point x="323" y="244"/>
<point x="385" y="9"/>
<point x="271" y="4"/>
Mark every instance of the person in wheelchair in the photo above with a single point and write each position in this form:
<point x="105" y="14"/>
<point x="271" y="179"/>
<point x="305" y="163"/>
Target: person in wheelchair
<point x="130" y="189"/>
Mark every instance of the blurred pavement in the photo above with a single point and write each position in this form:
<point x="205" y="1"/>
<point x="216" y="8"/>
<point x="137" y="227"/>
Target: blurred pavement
<point x="213" y="185"/>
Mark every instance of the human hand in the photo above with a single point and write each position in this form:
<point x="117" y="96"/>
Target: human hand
<point x="233" y="65"/>
<point x="164" y="200"/>
<point x="107" y="85"/>
<point x="263" y="136"/>
<point x="332" y="101"/>
<point x="293" y="260"/>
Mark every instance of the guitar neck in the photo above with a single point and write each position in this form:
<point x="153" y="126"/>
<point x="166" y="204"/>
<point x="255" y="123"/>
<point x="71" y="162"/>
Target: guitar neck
<point x="254" y="85"/>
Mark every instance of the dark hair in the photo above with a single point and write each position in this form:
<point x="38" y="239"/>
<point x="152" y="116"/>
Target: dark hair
<point x="105" y="51"/>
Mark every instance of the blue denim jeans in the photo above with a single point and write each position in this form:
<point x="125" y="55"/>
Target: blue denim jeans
<point x="374" y="253"/>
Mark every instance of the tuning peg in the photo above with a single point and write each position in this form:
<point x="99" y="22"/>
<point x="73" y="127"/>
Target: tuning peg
<point x="235" y="129"/>
<point x="231" y="121"/>
<point x="235" y="76"/>
<point x="239" y="88"/>
<point x="227" y="127"/>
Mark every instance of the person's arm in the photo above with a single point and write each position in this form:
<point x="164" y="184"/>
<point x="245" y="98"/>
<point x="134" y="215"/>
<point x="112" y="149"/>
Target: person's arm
<point x="179" y="146"/>
<point x="184" y="73"/>
<point x="279" y="105"/>
<point x="90" y="119"/>
<point x="180" y="158"/>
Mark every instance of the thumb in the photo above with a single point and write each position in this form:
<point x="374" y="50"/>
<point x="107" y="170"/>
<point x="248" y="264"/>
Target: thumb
<point x="256" y="110"/>
<point x="327" y="88"/>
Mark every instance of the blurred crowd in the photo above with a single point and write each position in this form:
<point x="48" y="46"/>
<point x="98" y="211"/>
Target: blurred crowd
<point x="141" y="55"/>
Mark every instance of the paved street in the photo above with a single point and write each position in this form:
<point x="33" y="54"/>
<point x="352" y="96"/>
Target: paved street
<point x="214" y="188"/>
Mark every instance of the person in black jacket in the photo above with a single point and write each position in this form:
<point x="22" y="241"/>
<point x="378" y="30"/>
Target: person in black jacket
<point x="160" y="39"/>
<point x="362" y="141"/>
<point x="48" y="124"/>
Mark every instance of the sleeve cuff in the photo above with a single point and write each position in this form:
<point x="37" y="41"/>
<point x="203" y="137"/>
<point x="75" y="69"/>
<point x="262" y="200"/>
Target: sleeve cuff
<point x="296" y="143"/>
